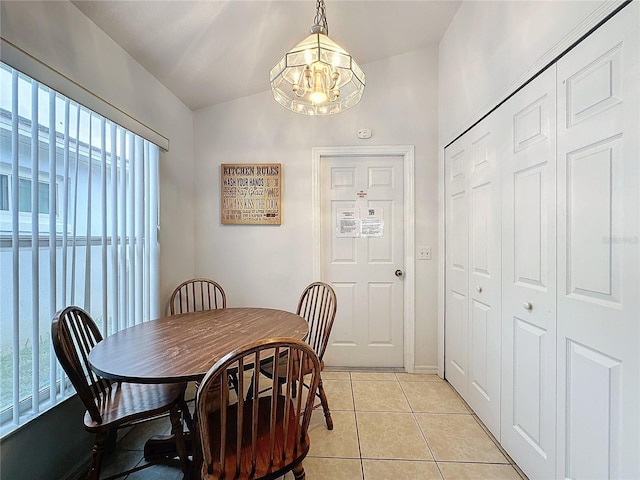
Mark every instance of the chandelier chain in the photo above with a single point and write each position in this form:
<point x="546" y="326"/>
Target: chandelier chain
<point x="321" y="16"/>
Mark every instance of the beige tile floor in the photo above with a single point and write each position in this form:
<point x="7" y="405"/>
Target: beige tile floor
<point x="386" y="426"/>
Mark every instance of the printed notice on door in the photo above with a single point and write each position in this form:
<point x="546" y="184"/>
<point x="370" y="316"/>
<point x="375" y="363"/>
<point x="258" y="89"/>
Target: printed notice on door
<point x="372" y="223"/>
<point x="348" y="222"/>
<point x="251" y="194"/>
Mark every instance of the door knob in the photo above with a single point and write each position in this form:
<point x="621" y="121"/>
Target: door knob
<point x="399" y="273"/>
<point x="527" y="305"/>
<point x="479" y="289"/>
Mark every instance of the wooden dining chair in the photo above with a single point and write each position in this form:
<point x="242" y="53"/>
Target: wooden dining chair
<point x="111" y="405"/>
<point x="197" y="294"/>
<point x="318" y="306"/>
<point x="257" y="437"/>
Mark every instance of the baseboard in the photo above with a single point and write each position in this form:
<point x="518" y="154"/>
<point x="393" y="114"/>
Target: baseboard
<point x="363" y="369"/>
<point x="422" y="370"/>
<point x="426" y="370"/>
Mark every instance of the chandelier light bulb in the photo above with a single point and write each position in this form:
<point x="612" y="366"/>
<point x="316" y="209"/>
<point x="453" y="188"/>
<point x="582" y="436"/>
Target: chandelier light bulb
<point x="318" y="96"/>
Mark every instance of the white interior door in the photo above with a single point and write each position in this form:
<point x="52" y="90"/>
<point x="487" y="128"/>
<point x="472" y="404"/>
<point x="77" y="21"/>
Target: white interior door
<point x="599" y="253"/>
<point x="528" y="427"/>
<point x="473" y="271"/>
<point x="362" y="244"/>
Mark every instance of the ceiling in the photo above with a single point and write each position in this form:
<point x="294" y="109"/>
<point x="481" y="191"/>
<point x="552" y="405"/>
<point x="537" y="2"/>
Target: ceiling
<point x="211" y="51"/>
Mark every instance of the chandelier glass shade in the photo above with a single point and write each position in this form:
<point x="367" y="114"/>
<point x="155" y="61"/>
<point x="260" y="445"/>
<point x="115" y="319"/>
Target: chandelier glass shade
<point x="317" y="76"/>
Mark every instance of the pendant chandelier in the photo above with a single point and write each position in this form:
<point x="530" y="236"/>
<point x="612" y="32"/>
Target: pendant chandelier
<point x="317" y="76"/>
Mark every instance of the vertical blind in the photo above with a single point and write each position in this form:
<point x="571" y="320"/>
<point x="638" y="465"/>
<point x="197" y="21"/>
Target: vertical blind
<point x="78" y="226"/>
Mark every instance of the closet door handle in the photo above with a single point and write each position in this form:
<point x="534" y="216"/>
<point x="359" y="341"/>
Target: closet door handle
<point x="479" y="289"/>
<point x="527" y="306"/>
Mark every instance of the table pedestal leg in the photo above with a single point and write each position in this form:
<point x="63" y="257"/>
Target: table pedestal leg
<point x="161" y="448"/>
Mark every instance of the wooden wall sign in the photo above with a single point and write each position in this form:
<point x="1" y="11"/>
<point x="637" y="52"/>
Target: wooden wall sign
<point x="250" y="193"/>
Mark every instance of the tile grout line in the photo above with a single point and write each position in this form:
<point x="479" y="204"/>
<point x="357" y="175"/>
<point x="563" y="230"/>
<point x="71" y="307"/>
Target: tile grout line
<point x="413" y="414"/>
<point x="489" y="434"/>
<point x="355" y="414"/>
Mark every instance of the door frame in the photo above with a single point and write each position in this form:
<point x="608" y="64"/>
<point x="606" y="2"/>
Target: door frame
<point x="355" y="152"/>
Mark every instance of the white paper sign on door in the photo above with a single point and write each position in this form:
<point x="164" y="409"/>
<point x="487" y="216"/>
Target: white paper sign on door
<point x="372" y="225"/>
<point x="348" y="222"/>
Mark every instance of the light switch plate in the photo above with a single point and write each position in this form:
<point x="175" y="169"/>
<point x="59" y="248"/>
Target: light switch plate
<point x="424" y="253"/>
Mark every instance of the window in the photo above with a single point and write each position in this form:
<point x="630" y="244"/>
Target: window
<point x="4" y="192"/>
<point x="24" y="195"/>
<point x="78" y="226"/>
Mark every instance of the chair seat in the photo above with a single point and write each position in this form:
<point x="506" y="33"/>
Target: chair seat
<point x="127" y="402"/>
<point x="283" y="458"/>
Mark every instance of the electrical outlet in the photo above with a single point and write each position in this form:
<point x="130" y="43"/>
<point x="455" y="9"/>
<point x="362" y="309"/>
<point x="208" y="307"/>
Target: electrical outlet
<point x="424" y="253"/>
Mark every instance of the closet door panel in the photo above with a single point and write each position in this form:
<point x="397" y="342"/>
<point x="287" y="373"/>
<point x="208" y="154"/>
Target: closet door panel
<point x="457" y="265"/>
<point x="485" y="288"/>
<point x="528" y="274"/>
<point x="473" y="271"/>
<point x="530" y="250"/>
<point x="599" y="253"/>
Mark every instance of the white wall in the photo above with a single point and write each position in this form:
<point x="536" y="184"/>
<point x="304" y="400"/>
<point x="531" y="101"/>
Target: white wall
<point x="59" y="35"/>
<point x="492" y="47"/>
<point x="270" y="265"/>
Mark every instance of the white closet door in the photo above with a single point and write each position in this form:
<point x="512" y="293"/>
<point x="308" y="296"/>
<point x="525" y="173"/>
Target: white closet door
<point x="457" y="265"/>
<point x="528" y="277"/>
<point x="485" y="285"/>
<point x="599" y="253"/>
<point x="473" y="272"/>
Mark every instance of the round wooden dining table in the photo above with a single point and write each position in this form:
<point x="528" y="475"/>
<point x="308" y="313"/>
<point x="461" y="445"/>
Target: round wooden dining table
<point x="184" y="347"/>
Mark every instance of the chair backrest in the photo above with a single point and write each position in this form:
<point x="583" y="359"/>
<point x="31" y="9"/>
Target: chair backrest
<point x="197" y="294"/>
<point x="253" y="435"/>
<point x="74" y="334"/>
<point x="318" y="306"/>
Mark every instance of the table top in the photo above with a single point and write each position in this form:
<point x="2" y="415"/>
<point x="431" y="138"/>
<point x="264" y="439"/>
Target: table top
<point x="184" y="347"/>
